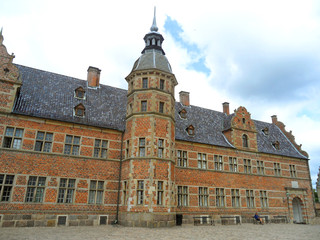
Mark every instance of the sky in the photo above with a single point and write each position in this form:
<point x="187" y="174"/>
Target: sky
<point x="260" y="54"/>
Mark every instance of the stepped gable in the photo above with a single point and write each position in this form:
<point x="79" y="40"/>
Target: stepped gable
<point x="48" y="95"/>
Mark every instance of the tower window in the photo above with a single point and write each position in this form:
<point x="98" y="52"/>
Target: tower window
<point x="244" y="140"/>
<point x="142" y="147"/>
<point x="161" y="107"/>
<point x="143" y="106"/>
<point x="161" y="84"/>
<point x="145" y="83"/>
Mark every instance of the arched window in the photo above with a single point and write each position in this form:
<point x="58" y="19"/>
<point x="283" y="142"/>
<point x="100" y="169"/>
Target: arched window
<point x="244" y="140"/>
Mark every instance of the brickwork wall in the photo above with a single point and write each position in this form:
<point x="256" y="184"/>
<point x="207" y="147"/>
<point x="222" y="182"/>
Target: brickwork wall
<point x="212" y="178"/>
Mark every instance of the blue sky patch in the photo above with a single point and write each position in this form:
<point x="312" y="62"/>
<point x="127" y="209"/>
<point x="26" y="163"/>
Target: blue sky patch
<point x="175" y="30"/>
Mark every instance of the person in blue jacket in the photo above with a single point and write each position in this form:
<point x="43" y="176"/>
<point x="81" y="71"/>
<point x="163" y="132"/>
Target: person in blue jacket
<point x="258" y="218"/>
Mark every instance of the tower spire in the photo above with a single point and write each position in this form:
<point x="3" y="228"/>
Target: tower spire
<point x="154" y="27"/>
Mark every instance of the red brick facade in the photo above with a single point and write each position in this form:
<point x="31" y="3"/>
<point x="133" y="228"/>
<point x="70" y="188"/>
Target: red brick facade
<point x="55" y="172"/>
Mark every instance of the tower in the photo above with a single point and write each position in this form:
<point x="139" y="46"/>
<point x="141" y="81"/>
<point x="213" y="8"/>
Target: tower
<point x="148" y="166"/>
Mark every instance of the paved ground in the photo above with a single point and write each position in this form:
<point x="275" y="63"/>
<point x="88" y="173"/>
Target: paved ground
<point x="244" y="231"/>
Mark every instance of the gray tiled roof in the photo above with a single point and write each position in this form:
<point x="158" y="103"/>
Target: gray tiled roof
<point x="152" y="59"/>
<point x="49" y="95"/>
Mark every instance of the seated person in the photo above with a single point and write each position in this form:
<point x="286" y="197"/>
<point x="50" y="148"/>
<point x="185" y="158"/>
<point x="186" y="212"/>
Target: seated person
<point x="257" y="217"/>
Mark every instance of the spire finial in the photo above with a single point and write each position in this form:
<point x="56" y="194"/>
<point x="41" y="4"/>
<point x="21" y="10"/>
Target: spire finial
<point x="154" y="27"/>
<point x="1" y="36"/>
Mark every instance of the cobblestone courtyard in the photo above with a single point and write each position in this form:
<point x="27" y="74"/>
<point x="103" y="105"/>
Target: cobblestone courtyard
<point x="244" y="231"/>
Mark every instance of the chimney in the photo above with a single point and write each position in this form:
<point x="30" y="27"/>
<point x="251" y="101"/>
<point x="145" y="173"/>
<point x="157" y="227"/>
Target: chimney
<point x="184" y="98"/>
<point x="93" y="77"/>
<point x="274" y="119"/>
<point x="225" y="106"/>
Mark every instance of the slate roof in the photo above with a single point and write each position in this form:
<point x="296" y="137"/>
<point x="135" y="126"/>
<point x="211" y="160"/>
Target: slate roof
<point x="48" y="95"/>
<point x="152" y="59"/>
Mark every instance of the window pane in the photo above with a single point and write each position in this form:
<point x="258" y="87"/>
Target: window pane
<point x="67" y="149"/>
<point x="38" y="146"/>
<point x="47" y="147"/>
<point x="104" y="143"/>
<point x="91" y="196"/>
<point x="49" y="137"/>
<point x="75" y="150"/>
<point x="42" y="181"/>
<point x="71" y="183"/>
<point x="97" y="142"/>
<point x="40" y="135"/>
<point x="104" y="153"/>
<point x="9" y="131"/>
<point x="68" y="139"/>
<point x="96" y="152"/>
<point x="17" y="143"/>
<point x="19" y="132"/>
<point x="76" y="140"/>
<point x="99" y="197"/>
<point x="32" y="181"/>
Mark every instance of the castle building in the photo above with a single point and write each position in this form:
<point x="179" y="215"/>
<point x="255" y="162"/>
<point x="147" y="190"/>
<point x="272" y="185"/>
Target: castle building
<point x="76" y="152"/>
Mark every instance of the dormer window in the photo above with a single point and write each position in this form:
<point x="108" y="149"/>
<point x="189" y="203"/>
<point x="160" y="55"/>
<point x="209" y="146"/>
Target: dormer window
<point x="245" y="141"/>
<point x="190" y="130"/>
<point x="183" y="113"/>
<point x="265" y="131"/>
<point x="79" y="110"/>
<point x="276" y="145"/>
<point x="80" y="93"/>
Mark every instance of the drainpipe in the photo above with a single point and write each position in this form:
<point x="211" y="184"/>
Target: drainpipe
<point x="119" y="182"/>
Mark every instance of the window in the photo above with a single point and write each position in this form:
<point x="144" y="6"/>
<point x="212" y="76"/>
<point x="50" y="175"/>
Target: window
<point x="246" y="165"/>
<point x="160" y="193"/>
<point x="263" y="199"/>
<point x="250" y="198"/>
<point x="13" y="138"/>
<point x="220" y="197"/>
<point x="143" y="106"/>
<point x="131" y="86"/>
<point x="233" y="166"/>
<point x="218" y="163"/>
<point x="235" y="198"/>
<point x="79" y="110"/>
<point x="35" y="190"/>
<point x="161" y="107"/>
<point x="190" y="130"/>
<point x="182" y="196"/>
<point x="182" y="158"/>
<point x="125" y="192"/>
<point x="276" y="145"/>
<point x="277" y="169"/>
<point x="140" y="191"/>
<point x="100" y="148"/>
<point x="292" y="169"/>
<point x="260" y="167"/>
<point x="6" y="184"/>
<point x="265" y="131"/>
<point x="128" y="149"/>
<point x="142" y="147"/>
<point x="161" y="84"/>
<point x="202" y="160"/>
<point x="183" y="113"/>
<point x="145" y="83"/>
<point x="43" y="142"/>
<point x="96" y="192"/>
<point x="80" y="93"/>
<point x="72" y="145"/>
<point x="203" y="197"/>
<point x="160" y="148"/>
<point x="66" y="190"/>
<point x="244" y="140"/>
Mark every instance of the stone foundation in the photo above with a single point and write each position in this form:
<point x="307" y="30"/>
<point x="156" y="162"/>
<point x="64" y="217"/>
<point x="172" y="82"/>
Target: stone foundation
<point x="151" y="220"/>
<point x="50" y="220"/>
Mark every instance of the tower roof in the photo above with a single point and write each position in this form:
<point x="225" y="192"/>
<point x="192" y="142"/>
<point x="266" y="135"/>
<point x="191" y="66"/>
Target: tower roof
<point x="153" y="56"/>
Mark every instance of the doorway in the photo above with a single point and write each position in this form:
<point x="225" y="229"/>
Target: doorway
<point x="297" y="213"/>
